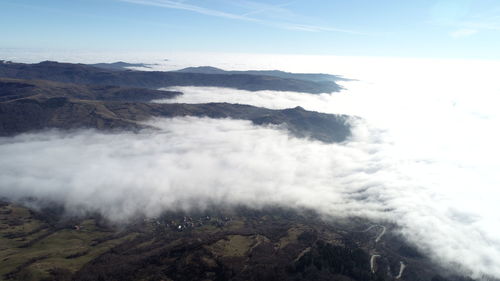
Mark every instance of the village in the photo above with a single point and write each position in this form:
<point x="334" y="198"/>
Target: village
<point x="167" y="223"/>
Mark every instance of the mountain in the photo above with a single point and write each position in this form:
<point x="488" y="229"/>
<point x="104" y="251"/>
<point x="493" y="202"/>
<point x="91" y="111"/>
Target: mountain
<point x="11" y="89"/>
<point x="87" y="74"/>
<point x="35" y="105"/>
<point x="315" y="77"/>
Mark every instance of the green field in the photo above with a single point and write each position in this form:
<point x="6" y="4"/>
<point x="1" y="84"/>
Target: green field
<point x="30" y="248"/>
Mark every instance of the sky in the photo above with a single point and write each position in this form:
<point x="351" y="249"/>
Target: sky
<point x="463" y="29"/>
<point x="425" y="151"/>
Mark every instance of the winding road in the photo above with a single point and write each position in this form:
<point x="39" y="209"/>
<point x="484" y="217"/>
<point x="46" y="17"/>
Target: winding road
<point x="401" y="269"/>
<point x="384" y="229"/>
<point x="374" y="256"/>
<point x="382" y="232"/>
<point x="372" y="262"/>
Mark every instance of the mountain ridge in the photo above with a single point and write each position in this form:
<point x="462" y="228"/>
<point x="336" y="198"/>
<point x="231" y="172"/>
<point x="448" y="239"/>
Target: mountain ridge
<point x="40" y="104"/>
<point x="315" y="77"/>
<point x="88" y="74"/>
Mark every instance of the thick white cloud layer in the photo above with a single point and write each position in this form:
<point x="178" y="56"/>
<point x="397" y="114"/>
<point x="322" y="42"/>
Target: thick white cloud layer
<point x="268" y="99"/>
<point x="192" y="162"/>
<point x="189" y="163"/>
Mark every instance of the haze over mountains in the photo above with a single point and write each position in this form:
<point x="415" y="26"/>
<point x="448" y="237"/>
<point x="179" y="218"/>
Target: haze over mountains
<point x="86" y="74"/>
<point x="315" y="77"/>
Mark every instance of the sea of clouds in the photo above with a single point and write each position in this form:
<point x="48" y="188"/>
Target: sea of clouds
<point x="424" y="156"/>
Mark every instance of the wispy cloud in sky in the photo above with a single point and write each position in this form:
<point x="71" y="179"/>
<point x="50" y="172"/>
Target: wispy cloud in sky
<point x="464" y="32"/>
<point x="492" y="24"/>
<point x="258" y="8"/>
<point x="181" y="5"/>
<point x="274" y="14"/>
<point x="486" y="21"/>
<point x="466" y="21"/>
<point x="470" y="27"/>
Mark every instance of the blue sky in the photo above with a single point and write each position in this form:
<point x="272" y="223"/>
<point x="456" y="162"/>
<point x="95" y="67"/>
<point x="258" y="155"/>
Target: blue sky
<point x="423" y="28"/>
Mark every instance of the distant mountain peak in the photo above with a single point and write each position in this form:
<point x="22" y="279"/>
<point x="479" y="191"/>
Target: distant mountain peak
<point x="312" y="77"/>
<point x="203" y="69"/>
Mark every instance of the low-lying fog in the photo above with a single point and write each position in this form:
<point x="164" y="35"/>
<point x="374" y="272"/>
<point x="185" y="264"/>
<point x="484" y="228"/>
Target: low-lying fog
<point x="425" y="156"/>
